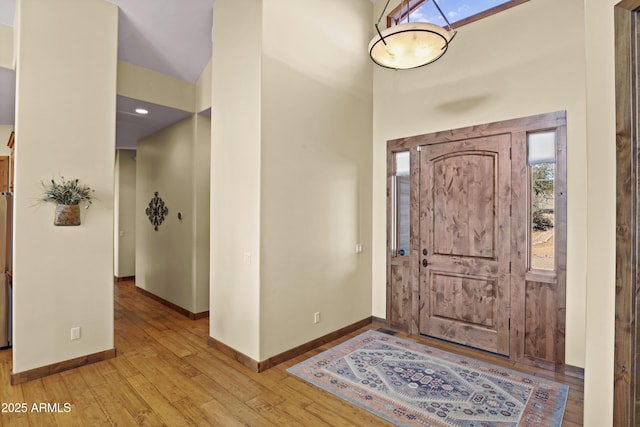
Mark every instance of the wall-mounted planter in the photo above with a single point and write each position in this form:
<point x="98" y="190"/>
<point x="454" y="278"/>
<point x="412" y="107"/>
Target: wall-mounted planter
<point x="67" y="194"/>
<point x="67" y="215"/>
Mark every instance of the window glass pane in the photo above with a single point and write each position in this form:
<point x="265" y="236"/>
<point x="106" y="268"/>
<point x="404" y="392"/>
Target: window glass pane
<point x="403" y="215"/>
<point x="402" y="203"/>
<point x="402" y="163"/>
<point x="455" y="10"/>
<point x="541" y="148"/>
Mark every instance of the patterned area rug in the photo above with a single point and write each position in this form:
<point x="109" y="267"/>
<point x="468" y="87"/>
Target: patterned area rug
<point x="410" y="384"/>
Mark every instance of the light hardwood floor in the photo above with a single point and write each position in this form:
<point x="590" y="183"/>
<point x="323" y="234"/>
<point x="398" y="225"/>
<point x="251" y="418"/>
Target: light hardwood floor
<point x="166" y="374"/>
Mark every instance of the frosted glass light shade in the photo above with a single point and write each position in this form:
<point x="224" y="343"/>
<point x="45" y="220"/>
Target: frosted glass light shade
<point x="409" y="45"/>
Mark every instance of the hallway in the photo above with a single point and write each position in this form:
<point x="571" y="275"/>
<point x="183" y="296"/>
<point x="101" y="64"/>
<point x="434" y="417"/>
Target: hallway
<point x="166" y="374"/>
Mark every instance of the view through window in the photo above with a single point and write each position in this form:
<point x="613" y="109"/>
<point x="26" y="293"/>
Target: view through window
<point x="457" y="11"/>
<point x="402" y="203"/>
<point x="541" y="157"/>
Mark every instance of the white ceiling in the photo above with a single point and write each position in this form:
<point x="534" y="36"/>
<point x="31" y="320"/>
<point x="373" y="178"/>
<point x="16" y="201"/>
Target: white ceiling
<point x="169" y="36"/>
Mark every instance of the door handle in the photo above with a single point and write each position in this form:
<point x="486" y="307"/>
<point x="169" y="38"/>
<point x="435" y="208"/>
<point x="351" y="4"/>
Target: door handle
<point x="424" y="262"/>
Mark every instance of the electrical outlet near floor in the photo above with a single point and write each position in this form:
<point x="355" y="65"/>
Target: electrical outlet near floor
<point x="316" y="317"/>
<point x="75" y="333"/>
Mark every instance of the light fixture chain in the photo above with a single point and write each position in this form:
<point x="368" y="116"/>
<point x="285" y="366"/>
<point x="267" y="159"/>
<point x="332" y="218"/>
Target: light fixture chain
<point x="408" y="11"/>
<point x="383" y="11"/>
<point x="443" y="15"/>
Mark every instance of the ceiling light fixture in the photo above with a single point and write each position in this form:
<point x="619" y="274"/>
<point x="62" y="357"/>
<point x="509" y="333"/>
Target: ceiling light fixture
<point x="142" y="111"/>
<point x="411" y="44"/>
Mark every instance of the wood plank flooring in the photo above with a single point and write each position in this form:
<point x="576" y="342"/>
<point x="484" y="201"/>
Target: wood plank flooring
<point x="166" y="374"/>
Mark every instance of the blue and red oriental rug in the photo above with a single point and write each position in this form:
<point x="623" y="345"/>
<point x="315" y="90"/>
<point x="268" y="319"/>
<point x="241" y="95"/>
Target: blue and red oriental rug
<point x="410" y="384"/>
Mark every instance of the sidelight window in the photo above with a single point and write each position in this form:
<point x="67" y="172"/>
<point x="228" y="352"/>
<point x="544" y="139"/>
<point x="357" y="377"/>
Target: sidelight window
<point x="541" y="159"/>
<point x="401" y="202"/>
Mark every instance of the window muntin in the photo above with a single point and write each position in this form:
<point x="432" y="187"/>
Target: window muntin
<point x="401" y="203"/>
<point x="458" y="12"/>
<point x="541" y="159"/>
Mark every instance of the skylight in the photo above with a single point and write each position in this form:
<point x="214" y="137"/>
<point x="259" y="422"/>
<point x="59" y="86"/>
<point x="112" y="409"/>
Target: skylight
<point x="458" y="12"/>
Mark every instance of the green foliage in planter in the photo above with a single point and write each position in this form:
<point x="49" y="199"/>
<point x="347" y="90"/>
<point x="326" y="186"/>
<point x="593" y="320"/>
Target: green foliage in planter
<point x="541" y="222"/>
<point x="67" y="192"/>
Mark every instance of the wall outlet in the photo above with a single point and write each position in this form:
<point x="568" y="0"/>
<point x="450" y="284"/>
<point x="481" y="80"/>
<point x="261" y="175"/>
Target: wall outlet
<point x="358" y="248"/>
<point x="75" y="333"/>
<point x="316" y="317"/>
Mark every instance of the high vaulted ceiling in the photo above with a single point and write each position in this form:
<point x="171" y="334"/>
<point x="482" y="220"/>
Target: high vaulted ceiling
<point x="172" y="37"/>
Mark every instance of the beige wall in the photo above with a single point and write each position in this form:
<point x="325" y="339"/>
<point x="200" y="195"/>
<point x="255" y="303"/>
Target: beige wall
<point x="63" y="276"/>
<point x="201" y="207"/>
<point x="203" y="89"/>
<point x="291" y="132"/>
<point x="167" y="260"/>
<point x="315" y="170"/>
<point x="600" y="211"/>
<point x="235" y="175"/>
<point x="163" y="257"/>
<point x="147" y="85"/>
<point x="125" y="208"/>
<point x="498" y="68"/>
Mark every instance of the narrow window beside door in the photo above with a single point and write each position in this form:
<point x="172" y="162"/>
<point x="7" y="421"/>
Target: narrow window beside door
<point x="541" y="158"/>
<point x="402" y="201"/>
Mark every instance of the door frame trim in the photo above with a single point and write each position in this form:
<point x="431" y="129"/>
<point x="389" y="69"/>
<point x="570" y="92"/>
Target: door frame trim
<point x="518" y="128"/>
<point x="627" y="333"/>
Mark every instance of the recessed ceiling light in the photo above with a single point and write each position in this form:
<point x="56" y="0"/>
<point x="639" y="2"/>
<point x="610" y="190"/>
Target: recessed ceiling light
<point x="142" y="111"/>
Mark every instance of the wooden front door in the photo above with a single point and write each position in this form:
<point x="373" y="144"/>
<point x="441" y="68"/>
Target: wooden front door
<point x="465" y="244"/>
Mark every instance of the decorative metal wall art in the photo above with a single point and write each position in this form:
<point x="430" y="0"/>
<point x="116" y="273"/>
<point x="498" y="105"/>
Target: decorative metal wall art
<point x="156" y="211"/>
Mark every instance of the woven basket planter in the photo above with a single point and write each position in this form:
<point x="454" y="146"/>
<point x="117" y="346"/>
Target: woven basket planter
<point x="67" y="215"/>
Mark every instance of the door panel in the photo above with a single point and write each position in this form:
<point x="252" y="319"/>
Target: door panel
<point x="465" y="193"/>
<point x="463" y="297"/>
<point x="400" y="295"/>
<point x="463" y="205"/>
